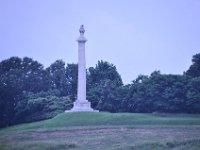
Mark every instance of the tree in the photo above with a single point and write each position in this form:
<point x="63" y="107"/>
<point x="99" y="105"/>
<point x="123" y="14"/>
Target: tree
<point x="104" y="71"/>
<point x="41" y="105"/>
<point x="194" y="70"/>
<point x="34" y="77"/>
<point x="17" y="76"/>
<point x="101" y="79"/>
<point x="156" y="93"/>
<point x="109" y="97"/>
<point x="72" y="79"/>
<point x="57" y="77"/>
<point x="10" y="86"/>
<point x="139" y="100"/>
<point x="193" y="96"/>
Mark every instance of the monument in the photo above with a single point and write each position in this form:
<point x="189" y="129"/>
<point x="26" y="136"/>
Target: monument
<point x="81" y="104"/>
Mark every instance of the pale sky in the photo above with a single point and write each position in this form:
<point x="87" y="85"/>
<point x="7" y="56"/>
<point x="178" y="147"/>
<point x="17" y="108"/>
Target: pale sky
<point x="137" y="36"/>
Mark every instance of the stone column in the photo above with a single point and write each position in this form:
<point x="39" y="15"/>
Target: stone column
<point x="81" y="95"/>
<point x="81" y="104"/>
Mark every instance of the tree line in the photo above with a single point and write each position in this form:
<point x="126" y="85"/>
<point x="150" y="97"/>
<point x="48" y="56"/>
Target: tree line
<point x="30" y="92"/>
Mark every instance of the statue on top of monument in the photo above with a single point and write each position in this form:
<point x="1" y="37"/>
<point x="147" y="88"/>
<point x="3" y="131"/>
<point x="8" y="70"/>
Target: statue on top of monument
<point x="82" y="30"/>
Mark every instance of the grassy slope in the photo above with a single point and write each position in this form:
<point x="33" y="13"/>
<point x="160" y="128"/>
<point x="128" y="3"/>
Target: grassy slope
<point x="104" y="131"/>
<point x="81" y="119"/>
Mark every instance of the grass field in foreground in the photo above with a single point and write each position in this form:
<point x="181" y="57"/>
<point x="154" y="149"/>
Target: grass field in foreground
<point x="105" y="131"/>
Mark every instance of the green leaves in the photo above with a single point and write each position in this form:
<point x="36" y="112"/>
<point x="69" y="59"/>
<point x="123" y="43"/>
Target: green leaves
<point x="103" y="83"/>
<point x="43" y="105"/>
<point x="193" y="95"/>
<point x="194" y="70"/>
<point x="72" y="80"/>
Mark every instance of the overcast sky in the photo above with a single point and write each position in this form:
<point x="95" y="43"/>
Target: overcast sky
<point x="137" y="36"/>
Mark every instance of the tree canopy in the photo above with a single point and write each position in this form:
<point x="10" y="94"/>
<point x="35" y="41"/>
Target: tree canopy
<point x="30" y="92"/>
<point x="194" y="69"/>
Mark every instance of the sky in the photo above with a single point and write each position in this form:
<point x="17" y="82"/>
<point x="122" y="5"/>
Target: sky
<point x="137" y="36"/>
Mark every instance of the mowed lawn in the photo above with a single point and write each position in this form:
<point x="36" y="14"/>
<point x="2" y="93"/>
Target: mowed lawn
<point x="105" y="131"/>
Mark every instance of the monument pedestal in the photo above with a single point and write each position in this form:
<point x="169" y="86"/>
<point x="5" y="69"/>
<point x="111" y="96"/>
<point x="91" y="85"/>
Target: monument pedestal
<point x="83" y="106"/>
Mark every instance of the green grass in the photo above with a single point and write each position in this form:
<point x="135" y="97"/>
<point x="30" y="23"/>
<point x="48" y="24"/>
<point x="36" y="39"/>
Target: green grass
<point x="105" y="131"/>
<point x="85" y="119"/>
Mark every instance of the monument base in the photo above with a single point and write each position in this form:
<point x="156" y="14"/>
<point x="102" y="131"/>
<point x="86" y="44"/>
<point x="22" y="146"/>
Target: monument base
<point x="82" y="106"/>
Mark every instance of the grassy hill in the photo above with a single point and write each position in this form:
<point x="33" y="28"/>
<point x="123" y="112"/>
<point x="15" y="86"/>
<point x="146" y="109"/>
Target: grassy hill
<point x="102" y="131"/>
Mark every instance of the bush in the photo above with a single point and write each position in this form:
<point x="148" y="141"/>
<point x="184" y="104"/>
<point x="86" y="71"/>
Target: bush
<point x="39" y="106"/>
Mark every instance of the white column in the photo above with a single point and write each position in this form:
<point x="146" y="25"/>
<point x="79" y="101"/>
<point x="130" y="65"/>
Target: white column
<point x="81" y="72"/>
<point x="81" y="104"/>
<point x="81" y="93"/>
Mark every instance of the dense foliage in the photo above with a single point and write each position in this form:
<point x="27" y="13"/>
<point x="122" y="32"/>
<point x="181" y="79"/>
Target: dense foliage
<point x="29" y="92"/>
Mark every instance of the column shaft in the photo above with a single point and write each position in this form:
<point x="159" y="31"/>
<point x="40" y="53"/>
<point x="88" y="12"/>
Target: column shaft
<point x="81" y="72"/>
